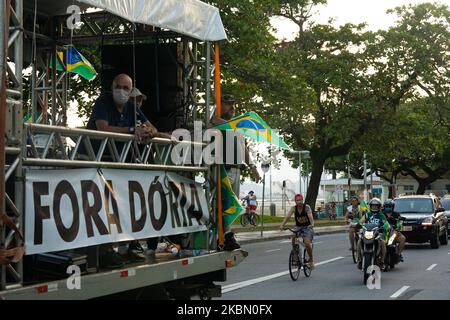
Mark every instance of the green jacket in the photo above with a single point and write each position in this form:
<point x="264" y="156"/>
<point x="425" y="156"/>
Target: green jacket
<point x="380" y="219"/>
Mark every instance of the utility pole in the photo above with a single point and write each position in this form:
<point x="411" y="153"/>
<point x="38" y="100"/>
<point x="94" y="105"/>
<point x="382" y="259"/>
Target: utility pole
<point x="299" y="172"/>
<point x="365" y="180"/>
<point x="265" y="168"/>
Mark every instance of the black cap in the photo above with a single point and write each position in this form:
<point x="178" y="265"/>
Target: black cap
<point x="228" y="98"/>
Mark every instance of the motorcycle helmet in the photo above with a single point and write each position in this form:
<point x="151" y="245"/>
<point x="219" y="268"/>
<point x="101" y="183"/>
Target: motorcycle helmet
<point x="388" y="206"/>
<point x="375" y="205"/>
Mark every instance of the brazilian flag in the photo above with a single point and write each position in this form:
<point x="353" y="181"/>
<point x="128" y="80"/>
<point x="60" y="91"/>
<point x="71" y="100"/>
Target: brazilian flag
<point x="251" y="125"/>
<point x="231" y="207"/>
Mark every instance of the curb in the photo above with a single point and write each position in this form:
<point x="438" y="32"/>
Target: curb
<point x="281" y="237"/>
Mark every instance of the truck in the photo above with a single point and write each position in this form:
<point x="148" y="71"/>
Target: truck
<point x="66" y="191"/>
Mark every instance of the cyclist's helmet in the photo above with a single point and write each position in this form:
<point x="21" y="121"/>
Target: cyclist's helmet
<point x="388" y="206"/>
<point x="375" y="205"/>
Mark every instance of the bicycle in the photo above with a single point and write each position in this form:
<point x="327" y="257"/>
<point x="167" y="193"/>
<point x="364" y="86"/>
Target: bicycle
<point x="354" y="245"/>
<point x="251" y="217"/>
<point x="297" y="259"/>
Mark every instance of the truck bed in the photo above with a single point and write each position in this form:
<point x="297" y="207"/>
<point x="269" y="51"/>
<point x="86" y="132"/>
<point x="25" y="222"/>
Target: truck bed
<point x="105" y="283"/>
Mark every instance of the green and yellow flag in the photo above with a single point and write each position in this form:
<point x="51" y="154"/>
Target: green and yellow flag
<point x="77" y="63"/>
<point x="231" y="206"/>
<point x="252" y="126"/>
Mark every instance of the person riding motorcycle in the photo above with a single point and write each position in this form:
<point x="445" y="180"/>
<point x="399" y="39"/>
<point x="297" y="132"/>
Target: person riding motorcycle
<point x="354" y="213"/>
<point x="376" y="216"/>
<point x="393" y="219"/>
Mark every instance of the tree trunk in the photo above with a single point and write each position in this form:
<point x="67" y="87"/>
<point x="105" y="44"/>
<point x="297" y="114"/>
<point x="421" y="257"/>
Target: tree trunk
<point x="314" y="183"/>
<point x="422" y="186"/>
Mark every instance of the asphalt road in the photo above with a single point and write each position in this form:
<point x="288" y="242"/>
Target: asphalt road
<point x="425" y="274"/>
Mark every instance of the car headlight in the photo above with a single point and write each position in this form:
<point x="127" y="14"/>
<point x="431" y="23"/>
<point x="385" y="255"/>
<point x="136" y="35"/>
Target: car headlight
<point x="368" y="235"/>
<point x="427" y="221"/>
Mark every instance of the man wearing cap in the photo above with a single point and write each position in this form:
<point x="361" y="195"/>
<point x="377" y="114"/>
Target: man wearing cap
<point x="227" y="112"/>
<point x="138" y="97"/>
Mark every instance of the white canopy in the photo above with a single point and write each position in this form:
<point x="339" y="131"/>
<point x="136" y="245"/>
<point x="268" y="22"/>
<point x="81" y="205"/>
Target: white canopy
<point x="189" y="17"/>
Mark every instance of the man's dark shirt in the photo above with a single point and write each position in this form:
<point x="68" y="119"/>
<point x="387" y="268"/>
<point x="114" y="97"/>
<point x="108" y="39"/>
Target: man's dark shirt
<point x="105" y="109"/>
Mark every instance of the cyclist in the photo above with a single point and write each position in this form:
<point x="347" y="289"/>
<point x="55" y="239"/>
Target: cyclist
<point x="251" y="203"/>
<point x="393" y="219"/>
<point x="305" y="221"/>
<point x="375" y="216"/>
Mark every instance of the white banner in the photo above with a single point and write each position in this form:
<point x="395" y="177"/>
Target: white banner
<point x="68" y="209"/>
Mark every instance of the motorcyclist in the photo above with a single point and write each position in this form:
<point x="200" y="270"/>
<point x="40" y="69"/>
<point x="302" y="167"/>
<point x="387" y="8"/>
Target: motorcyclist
<point x="375" y="216"/>
<point x="393" y="219"/>
<point x="354" y="213"/>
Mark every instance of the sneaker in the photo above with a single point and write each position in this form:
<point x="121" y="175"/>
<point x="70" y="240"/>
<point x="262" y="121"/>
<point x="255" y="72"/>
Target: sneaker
<point x="311" y="265"/>
<point x="133" y="256"/>
<point x="111" y="260"/>
<point x="136" y="246"/>
<point x="150" y="253"/>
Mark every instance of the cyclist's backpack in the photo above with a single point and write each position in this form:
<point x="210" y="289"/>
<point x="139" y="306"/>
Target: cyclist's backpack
<point x="230" y="242"/>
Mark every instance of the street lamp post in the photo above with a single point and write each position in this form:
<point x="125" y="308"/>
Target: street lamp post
<point x="264" y="167"/>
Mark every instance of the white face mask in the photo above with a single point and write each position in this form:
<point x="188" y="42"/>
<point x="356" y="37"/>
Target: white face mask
<point x="120" y="96"/>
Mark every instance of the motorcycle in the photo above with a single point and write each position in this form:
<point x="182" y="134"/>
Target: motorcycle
<point x="354" y="244"/>
<point x="369" y="235"/>
<point x="392" y="257"/>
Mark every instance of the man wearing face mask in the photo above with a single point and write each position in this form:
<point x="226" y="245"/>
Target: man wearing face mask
<point x="114" y="112"/>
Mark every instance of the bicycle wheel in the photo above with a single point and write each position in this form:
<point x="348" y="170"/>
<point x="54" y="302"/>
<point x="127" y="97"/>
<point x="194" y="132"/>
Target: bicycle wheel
<point x="294" y="265"/>
<point x="306" y="267"/>
<point x="354" y="248"/>
<point x="244" y="220"/>
<point x="255" y="219"/>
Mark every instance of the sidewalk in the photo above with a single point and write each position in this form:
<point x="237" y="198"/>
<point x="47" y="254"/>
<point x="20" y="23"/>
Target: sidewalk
<point x="244" y="237"/>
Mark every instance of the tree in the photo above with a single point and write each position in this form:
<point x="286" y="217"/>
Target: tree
<point x="413" y="142"/>
<point x="357" y="77"/>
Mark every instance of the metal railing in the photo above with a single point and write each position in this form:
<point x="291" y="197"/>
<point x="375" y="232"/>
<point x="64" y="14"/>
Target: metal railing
<point x="68" y="147"/>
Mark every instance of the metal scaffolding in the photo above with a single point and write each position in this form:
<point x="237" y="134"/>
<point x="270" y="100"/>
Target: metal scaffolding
<point x="49" y="94"/>
<point x="12" y="11"/>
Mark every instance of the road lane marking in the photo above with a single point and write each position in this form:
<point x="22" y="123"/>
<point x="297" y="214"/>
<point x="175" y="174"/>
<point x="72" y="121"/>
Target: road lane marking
<point x="286" y="241"/>
<point x="273" y="250"/>
<point x="235" y="286"/>
<point x="431" y="267"/>
<point x="400" y="291"/>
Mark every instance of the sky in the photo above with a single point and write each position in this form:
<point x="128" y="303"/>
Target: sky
<point x="373" y="12"/>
